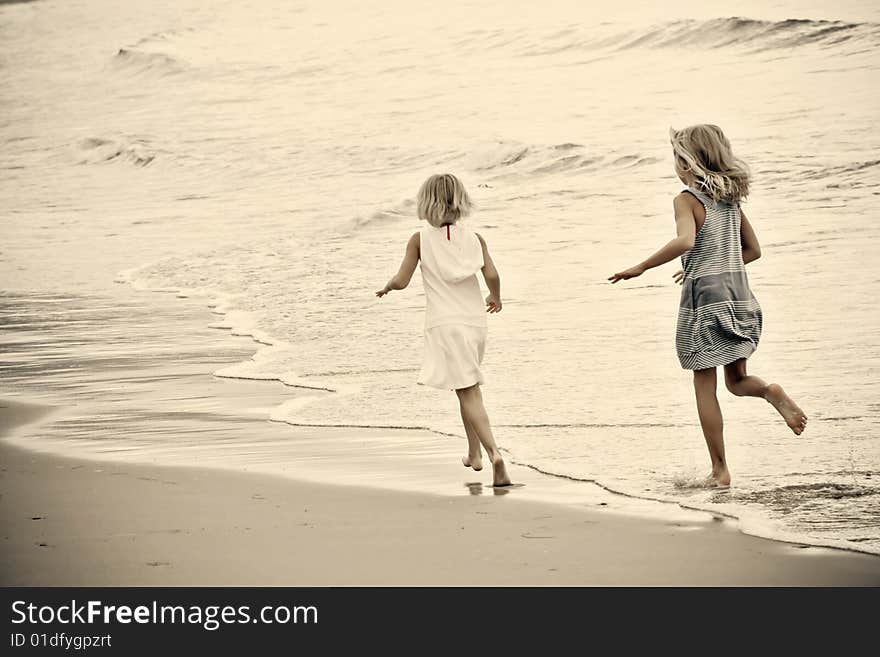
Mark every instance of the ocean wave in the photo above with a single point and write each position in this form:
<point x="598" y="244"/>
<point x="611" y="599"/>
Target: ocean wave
<point x="796" y="494"/>
<point x="499" y="161"/>
<point x="840" y="170"/>
<point x="747" y="521"/>
<point x="94" y="150"/>
<point x="239" y="323"/>
<point x="134" y="61"/>
<point x="729" y="32"/>
<point x="166" y="52"/>
<point x="763" y="35"/>
<point x="403" y="209"/>
<point x="161" y="36"/>
<point x="511" y="157"/>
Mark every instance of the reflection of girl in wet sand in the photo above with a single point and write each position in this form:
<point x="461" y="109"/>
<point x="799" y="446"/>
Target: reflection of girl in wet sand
<point x="455" y="322"/>
<point x="719" y="319"/>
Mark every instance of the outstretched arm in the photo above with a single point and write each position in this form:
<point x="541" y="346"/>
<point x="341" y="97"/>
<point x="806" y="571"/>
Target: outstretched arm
<point x="751" y="248"/>
<point x="493" y="279"/>
<point x="403" y="276"/>
<point x="686" y="229"/>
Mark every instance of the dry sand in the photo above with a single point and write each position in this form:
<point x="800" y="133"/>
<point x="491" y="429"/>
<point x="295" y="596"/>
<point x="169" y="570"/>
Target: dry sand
<point x="77" y="522"/>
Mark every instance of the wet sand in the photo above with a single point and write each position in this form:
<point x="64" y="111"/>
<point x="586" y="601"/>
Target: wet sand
<point x="77" y="522"/>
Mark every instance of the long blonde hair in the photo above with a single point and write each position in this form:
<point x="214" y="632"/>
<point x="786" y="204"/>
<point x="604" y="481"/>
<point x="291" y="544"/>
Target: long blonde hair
<point x="443" y="200"/>
<point x="703" y="153"/>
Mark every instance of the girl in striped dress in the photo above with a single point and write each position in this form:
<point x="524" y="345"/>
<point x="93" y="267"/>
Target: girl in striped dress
<point x="450" y="255"/>
<point x="719" y="319"/>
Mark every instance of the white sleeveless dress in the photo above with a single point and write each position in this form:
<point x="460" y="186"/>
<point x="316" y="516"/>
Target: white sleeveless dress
<point x="455" y="319"/>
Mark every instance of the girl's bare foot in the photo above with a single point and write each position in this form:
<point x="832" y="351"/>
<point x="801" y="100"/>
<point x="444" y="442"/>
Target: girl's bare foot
<point x="792" y="414"/>
<point x="719" y="477"/>
<point x="499" y="472"/>
<point x="473" y="462"/>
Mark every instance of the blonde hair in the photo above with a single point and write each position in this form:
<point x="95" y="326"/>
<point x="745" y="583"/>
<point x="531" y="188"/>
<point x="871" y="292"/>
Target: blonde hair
<point x="703" y="153"/>
<point x="442" y="199"/>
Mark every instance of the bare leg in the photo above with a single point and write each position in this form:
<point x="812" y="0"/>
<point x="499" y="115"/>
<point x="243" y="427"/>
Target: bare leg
<point x="712" y="422"/>
<point x="474" y="458"/>
<point x="742" y="384"/>
<point x="474" y="413"/>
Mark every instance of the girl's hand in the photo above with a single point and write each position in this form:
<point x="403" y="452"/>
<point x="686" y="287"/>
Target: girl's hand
<point x="493" y="304"/>
<point x="625" y="275"/>
<point x="381" y="293"/>
<point x="678" y="276"/>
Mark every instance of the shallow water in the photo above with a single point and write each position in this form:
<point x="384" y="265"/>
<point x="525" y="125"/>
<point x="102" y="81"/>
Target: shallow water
<point x="266" y="156"/>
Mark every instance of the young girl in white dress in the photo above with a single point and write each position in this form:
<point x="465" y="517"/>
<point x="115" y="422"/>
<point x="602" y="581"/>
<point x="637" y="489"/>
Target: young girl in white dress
<point x="455" y="320"/>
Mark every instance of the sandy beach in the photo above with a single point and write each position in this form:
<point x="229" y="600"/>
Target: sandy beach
<point x="76" y="522"/>
<point x="198" y="384"/>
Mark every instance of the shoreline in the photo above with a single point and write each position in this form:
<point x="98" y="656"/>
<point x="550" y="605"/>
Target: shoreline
<point x="225" y="423"/>
<point x="84" y="522"/>
<point x="627" y="502"/>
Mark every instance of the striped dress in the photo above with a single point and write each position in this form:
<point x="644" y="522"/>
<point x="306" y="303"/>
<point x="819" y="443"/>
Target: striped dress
<point x="719" y="319"/>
